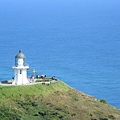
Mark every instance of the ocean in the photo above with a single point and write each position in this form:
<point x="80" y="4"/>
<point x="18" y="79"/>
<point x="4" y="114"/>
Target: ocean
<point x="78" y="41"/>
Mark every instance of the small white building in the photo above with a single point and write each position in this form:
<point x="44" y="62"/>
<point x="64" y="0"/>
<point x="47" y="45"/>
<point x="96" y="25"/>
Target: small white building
<point x="20" y="69"/>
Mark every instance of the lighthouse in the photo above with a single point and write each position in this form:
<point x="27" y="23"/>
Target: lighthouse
<point x="20" y="69"/>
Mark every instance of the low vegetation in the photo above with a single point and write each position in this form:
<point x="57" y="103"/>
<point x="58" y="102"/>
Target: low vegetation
<point x="43" y="80"/>
<point x="103" y="101"/>
<point x="56" y="101"/>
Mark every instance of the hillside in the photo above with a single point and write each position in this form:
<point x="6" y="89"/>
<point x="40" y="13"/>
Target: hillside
<point x="56" y="101"/>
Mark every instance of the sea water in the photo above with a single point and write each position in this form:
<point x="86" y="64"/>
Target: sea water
<point x="78" y="41"/>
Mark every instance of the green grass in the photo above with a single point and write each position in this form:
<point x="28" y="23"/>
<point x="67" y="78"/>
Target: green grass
<point x="56" y="101"/>
<point x="10" y="91"/>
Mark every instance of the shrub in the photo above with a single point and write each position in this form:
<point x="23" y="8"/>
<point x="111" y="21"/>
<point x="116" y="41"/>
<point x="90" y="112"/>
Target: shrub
<point x="73" y="114"/>
<point x="42" y="113"/>
<point x="38" y="81"/>
<point x="7" y="113"/>
<point x="103" y="101"/>
<point x="103" y="118"/>
<point x="58" y="108"/>
<point x="111" y="117"/>
<point x="61" y="116"/>
<point x="76" y="99"/>
<point x="34" y="104"/>
<point x="90" y="114"/>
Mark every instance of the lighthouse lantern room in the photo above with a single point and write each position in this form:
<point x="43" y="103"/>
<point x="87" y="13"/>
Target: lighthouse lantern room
<point x="20" y="69"/>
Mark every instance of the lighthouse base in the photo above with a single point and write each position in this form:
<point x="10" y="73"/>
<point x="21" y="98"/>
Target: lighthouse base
<point x="20" y="82"/>
<point x="20" y="75"/>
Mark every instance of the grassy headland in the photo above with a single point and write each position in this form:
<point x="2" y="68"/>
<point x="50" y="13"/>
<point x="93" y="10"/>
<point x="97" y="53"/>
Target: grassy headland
<point x="56" y="101"/>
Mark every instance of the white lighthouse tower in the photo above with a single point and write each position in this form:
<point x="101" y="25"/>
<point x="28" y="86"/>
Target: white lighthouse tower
<point x="20" y="69"/>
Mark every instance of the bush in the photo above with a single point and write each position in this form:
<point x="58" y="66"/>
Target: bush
<point x="90" y="114"/>
<point x="34" y="104"/>
<point x="38" y="80"/>
<point x="7" y="113"/>
<point x="111" y="117"/>
<point x="73" y="114"/>
<point x="76" y="99"/>
<point x="103" y="101"/>
<point x="42" y="113"/>
<point x="103" y="118"/>
<point x="59" y="109"/>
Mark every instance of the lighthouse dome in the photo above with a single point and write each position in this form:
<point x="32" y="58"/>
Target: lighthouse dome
<point x="20" y="55"/>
